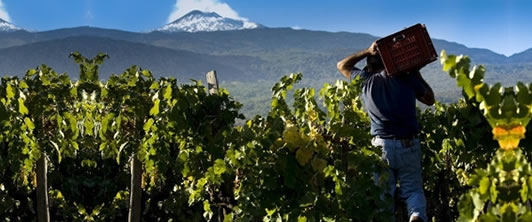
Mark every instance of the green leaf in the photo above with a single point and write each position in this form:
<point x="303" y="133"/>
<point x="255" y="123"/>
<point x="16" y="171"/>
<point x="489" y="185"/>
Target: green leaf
<point x="448" y="62"/>
<point x="529" y="183"/>
<point x="96" y="210"/>
<point x="229" y="217"/>
<point x="88" y="124"/>
<point x="71" y="120"/>
<point x="270" y="212"/>
<point x="73" y="92"/>
<point x="186" y="170"/>
<point x="207" y="208"/>
<point x="78" y="58"/>
<point x="98" y="59"/>
<point x="152" y="151"/>
<point x="75" y="145"/>
<point x="105" y="123"/>
<point x="23" y="85"/>
<point x="338" y="187"/>
<point x="482" y="90"/>
<point x="102" y="146"/>
<point x="10" y="91"/>
<point x="45" y="79"/>
<point x="494" y="193"/>
<point x="302" y="219"/>
<point x="22" y="109"/>
<point x="167" y="92"/>
<point x="133" y="81"/>
<point x="148" y="124"/>
<point x="31" y="72"/>
<point x="155" y="109"/>
<point x="29" y="123"/>
<point x="232" y="155"/>
<point x="146" y="73"/>
<point x="484" y="185"/>
<point x="477" y="74"/>
<point x="523" y="95"/>
<point x="219" y="167"/>
<point x="118" y="196"/>
<point x="524" y="191"/>
<point x="464" y="82"/>
<point x="494" y="96"/>
<point x="154" y="86"/>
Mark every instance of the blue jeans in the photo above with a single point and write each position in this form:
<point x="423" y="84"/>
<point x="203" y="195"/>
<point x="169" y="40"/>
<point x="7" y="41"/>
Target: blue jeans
<point x="404" y="160"/>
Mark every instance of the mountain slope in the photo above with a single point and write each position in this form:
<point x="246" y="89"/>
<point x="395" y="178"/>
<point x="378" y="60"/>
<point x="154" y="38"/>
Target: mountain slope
<point x="522" y="57"/>
<point x="183" y="65"/>
<point x="198" y="21"/>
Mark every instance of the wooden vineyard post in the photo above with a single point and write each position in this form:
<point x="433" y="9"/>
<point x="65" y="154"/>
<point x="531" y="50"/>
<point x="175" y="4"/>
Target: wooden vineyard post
<point x="43" y="213"/>
<point x="212" y="82"/>
<point x="136" y="190"/>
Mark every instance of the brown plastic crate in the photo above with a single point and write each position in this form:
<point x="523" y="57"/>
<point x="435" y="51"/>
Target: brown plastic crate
<point x="406" y="50"/>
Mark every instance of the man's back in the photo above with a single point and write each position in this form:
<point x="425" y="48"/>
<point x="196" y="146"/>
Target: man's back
<point x="391" y="103"/>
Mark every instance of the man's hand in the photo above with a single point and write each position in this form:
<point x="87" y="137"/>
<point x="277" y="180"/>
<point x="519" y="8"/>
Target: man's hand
<point x="372" y="50"/>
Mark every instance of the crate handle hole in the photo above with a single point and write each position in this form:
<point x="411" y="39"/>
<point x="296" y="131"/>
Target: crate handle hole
<point x="399" y="38"/>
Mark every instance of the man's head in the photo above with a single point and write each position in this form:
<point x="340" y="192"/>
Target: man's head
<point x="374" y="63"/>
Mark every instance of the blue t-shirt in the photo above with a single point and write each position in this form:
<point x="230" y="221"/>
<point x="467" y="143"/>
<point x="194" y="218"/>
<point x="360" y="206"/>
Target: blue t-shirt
<point x="391" y="102"/>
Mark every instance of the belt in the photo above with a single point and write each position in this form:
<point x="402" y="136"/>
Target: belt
<point x="397" y="137"/>
<point x="405" y="141"/>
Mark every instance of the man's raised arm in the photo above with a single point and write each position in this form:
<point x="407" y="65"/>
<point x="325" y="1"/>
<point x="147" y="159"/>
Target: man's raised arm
<point x="346" y="65"/>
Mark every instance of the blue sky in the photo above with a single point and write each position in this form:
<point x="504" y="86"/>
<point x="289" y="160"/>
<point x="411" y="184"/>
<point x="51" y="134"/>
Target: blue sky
<point x="503" y="26"/>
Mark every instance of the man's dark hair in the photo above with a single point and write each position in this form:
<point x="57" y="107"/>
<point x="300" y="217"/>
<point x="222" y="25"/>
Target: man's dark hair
<point x="374" y="63"/>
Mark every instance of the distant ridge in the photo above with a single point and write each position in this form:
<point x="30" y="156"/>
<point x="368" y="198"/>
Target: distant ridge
<point x="199" y="21"/>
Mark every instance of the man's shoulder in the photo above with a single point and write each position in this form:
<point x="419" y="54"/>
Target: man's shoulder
<point x="365" y="74"/>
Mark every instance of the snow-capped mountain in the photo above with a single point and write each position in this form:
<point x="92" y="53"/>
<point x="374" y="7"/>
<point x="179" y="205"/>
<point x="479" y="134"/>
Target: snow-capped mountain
<point x="7" y="27"/>
<point x="198" y="21"/>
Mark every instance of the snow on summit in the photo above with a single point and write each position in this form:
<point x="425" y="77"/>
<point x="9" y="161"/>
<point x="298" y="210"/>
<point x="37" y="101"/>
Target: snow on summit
<point x="7" y="27"/>
<point x="198" y="21"/>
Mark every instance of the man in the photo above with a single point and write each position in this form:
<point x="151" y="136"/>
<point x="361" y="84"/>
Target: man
<point x="391" y="104"/>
